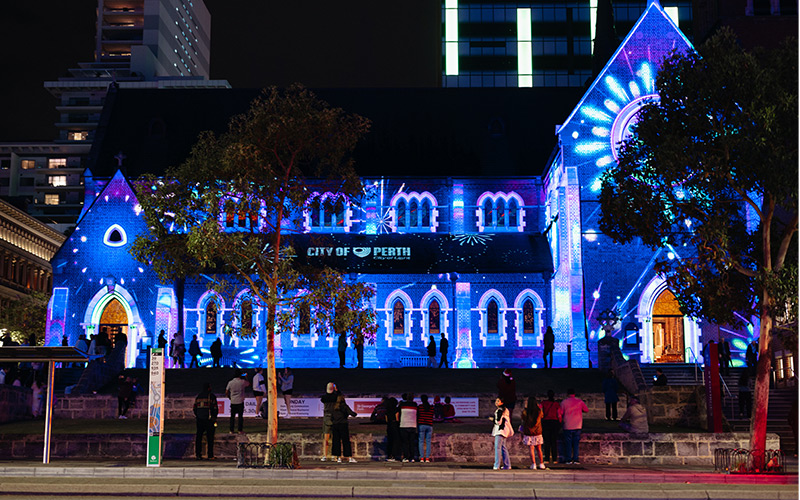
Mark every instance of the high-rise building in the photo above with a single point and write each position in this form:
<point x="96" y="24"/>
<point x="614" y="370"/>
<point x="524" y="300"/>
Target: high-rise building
<point x="535" y="43"/>
<point x="158" y="44"/>
<point x="139" y="43"/>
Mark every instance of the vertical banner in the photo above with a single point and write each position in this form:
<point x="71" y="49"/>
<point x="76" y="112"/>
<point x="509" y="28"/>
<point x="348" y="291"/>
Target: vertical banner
<point x="155" y="410"/>
<point x="713" y="394"/>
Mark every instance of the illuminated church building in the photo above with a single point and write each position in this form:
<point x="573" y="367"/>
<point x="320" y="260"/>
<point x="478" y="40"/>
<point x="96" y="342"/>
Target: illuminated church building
<point x="488" y="262"/>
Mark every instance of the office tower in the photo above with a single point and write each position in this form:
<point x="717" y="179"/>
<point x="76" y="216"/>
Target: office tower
<point x="533" y="43"/>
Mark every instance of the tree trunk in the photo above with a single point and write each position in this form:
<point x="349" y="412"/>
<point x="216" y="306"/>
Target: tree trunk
<point x="272" y="386"/>
<point x="758" y="425"/>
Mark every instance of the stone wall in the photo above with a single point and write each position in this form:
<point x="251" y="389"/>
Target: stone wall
<point x="15" y="403"/>
<point x="605" y="449"/>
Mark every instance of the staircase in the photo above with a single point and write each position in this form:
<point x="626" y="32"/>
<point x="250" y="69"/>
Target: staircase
<point x="101" y="371"/>
<point x="677" y="373"/>
<point x="65" y="377"/>
<point x="780" y="404"/>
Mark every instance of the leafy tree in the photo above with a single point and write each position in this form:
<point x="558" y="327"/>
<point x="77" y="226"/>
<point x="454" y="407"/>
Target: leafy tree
<point x="713" y="165"/>
<point x="231" y="209"/>
<point x="25" y="317"/>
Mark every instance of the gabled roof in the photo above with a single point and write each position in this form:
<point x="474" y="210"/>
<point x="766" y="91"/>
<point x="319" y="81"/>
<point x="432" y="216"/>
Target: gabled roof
<point x="652" y="38"/>
<point x="117" y="186"/>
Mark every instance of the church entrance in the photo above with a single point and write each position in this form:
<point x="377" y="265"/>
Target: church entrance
<point x="114" y="321"/>
<point x="668" y="344"/>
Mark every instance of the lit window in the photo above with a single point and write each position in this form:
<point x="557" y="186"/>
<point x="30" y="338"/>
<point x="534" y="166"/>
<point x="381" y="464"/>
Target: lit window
<point x="414" y="212"/>
<point x="56" y="180"/>
<point x="28" y="164"/>
<point x="528" y="319"/>
<point x="399" y="314"/>
<point x="115" y="236"/>
<point x="328" y="212"/>
<point x="433" y="317"/>
<point x="211" y="318"/>
<point x="52" y="199"/>
<point x="492" y="316"/>
<point x="56" y="163"/>
<point x="78" y="136"/>
<point x="500" y="212"/>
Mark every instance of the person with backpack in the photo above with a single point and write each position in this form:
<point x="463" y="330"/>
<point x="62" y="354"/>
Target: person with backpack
<point x="501" y="431"/>
<point x="532" y="431"/>
<point x="551" y="423"/>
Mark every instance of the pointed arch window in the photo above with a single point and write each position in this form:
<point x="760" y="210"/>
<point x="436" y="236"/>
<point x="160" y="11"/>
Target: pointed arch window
<point x="414" y="212"/>
<point x="500" y="212"/>
<point x="304" y="319"/>
<point x="434" y="320"/>
<point x="528" y="317"/>
<point x="399" y="317"/>
<point x="211" y="318"/>
<point x="247" y="315"/>
<point x="492" y="317"/>
<point x="327" y="212"/>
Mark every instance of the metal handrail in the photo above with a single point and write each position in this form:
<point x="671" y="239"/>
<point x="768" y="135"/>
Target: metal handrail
<point x="696" y="362"/>
<point x="725" y="386"/>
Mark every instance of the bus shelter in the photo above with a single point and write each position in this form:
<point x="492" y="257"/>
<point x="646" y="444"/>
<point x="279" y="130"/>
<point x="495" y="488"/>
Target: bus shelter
<point x="51" y="356"/>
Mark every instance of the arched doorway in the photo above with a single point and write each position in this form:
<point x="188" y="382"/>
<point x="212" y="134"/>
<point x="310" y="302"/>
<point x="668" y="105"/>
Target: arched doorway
<point x="667" y="329"/>
<point x="114" y="320"/>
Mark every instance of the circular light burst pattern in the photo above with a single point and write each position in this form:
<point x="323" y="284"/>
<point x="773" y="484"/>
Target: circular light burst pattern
<point x="612" y="123"/>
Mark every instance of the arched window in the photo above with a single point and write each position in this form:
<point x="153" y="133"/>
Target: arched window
<point x="401" y="213"/>
<point x="488" y="213"/>
<point x="413" y="213"/>
<point x="425" y="213"/>
<point x="528" y="318"/>
<point x="512" y="212"/>
<point x="211" y="318"/>
<point x="492" y="312"/>
<point x="247" y="315"/>
<point x="501" y="213"/>
<point x="399" y="315"/>
<point x="304" y="319"/>
<point x="327" y="212"/>
<point x="434" y="321"/>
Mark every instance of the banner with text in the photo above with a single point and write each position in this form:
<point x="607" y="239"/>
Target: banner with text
<point x="313" y="407"/>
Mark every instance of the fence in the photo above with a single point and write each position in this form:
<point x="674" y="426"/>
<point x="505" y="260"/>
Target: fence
<point x="743" y="461"/>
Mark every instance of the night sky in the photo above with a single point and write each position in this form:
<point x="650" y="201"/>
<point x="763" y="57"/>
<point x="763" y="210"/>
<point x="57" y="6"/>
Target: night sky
<point x="351" y="43"/>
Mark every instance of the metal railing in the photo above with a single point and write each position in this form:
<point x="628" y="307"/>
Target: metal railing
<point x="696" y="362"/>
<point x="742" y="461"/>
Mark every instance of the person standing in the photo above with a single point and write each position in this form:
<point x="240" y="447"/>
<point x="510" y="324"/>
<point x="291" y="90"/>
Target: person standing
<point x="341" y="429"/>
<point x="507" y="392"/>
<point x="549" y="343"/>
<point x="259" y="388"/>
<point x="661" y="379"/>
<point x="425" y="428"/>
<point x="551" y="423"/>
<point x="751" y="357"/>
<point x="358" y="345"/>
<point x="216" y="352"/>
<point x="328" y="401"/>
<point x="610" y="395"/>
<point x="124" y="392"/>
<point x="532" y="431"/>
<point x="286" y="379"/>
<point x="745" y="396"/>
<point x="392" y="430"/>
<point x="724" y="357"/>
<point x="431" y="352"/>
<point x="407" y="415"/>
<point x="342" y="349"/>
<point x="205" y="413"/>
<point x="443" y="347"/>
<point x="194" y="352"/>
<point x="501" y="430"/>
<point x="572" y="409"/>
<point x="235" y="392"/>
<point x="162" y="340"/>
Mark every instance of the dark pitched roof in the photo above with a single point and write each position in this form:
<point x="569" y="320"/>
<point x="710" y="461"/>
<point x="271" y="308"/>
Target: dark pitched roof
<point x="431" y="131"/>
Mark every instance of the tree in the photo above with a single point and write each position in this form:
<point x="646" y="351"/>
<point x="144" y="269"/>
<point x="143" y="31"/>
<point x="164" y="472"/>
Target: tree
<point x="25" y="317"/>
<point x="231" y="209"/>
<point x="712" y="165"/>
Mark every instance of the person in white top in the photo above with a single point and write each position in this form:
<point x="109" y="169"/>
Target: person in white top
<point x="286" y="379"/>
<point x="259" y="388"/>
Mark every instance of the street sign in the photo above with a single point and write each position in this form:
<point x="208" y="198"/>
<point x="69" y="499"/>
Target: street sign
<point x="155" y="412"/>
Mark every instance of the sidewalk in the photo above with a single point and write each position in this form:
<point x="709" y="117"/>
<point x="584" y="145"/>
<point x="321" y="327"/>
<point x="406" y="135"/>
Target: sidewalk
<point x="383" y="471"/>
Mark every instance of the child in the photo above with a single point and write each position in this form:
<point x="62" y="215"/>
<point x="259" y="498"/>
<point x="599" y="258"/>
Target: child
<point x="532" y="431"/>
<point x="501" y="430"/>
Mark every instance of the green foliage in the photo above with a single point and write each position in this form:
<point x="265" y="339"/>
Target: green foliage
<point x="259" y="176"/>
<point x="26" y="316"/>
<point x="711" y="170"/>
